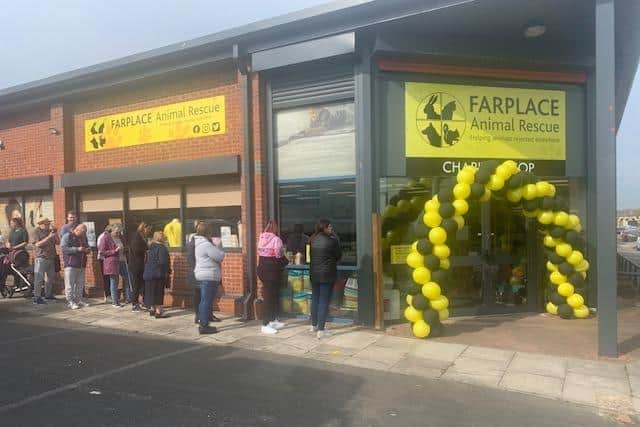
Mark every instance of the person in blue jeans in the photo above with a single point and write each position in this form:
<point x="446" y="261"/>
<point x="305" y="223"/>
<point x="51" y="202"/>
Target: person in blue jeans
<point x="325" y="254"/>
<point x="208" y="274"/>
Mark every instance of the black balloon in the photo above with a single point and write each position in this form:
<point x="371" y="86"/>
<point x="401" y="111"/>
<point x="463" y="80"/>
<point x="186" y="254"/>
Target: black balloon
<point x="528" y="178"/>
<point x="561" y="204"/>
<point x="420" y="302"/>
<point x="431" y="316"/>
<point x="412" y="288"/>
<point x="424" y="246"/>
<point x="530" y="205"/>
<point x="577" y="280"/>
<point x="445" y="195"/>
<point x="551" y="289"/>
<point x="447" y="210"/>
<point x="482" y="176"/>
<point x="558" y="232"/>
<point x="572" y="237"/>
<point x="514" y="182"/>
<point x="437" y="330"/>
<point x="450" y="225"/>
<point x="555" y="298"/>
<point x="441" y="277"/>
<point x="555" y="258"/>
<point x="477" y="190"/>
<point x="432" y="262"/>
<point x="548" y="203"/>
<point x="565" y="311"/>
<point x="566" y="269"/>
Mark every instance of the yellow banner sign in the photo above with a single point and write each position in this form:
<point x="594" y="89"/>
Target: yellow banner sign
<point x="399" y="253"/>
<point x="182" y="120"/>
<point x="482" y="122"/>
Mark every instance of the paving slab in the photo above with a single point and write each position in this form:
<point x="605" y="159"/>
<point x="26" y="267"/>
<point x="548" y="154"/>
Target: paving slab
<point x="388" y="341"/>
<point x="326" y="348"/>
<point x="366" y="363"/>
<point x="255" y="343"/>
<point x="437" y="351"/>
<point x="283" y="348"/>
<point x="330" y="358"/>
<point x="487" y="353"/>
<point x="420" y="366"/>
<point x="539" y="365"/>
<point x="596" y="368"/>
<point x="471" y="365"/>
<point x="602" y="398"/>
<point x="524" y="382"/>
<point x="619" y="385"/>
<point x="634" y="382"/>
<point x="487" y="380"/>
<point x="355" y="340"/>
<point x="303" y="341"/>
<point x="386" y="356"/>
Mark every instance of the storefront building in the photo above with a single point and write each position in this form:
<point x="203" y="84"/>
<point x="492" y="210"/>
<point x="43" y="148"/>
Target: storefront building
<point x="350" y="108"/>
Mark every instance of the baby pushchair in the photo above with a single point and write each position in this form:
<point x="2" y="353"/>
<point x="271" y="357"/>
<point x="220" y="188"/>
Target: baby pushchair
<point x="15" y="263"/>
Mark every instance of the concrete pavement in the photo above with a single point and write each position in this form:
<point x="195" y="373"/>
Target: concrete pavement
<point x="606" y="386"/>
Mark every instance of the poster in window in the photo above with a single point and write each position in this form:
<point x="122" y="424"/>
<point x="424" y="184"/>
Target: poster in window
<point x="9" y="208"/>
<point x="36" y="208"/>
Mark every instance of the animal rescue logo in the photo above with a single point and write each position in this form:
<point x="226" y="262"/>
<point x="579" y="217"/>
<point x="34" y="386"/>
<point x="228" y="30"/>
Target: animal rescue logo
<point x="441" y="119"/>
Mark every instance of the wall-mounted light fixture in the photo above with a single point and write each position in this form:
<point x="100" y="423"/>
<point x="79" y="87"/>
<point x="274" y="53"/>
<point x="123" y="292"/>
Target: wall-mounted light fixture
<point x="54" y="131"/>
<point x="2" y="145"/>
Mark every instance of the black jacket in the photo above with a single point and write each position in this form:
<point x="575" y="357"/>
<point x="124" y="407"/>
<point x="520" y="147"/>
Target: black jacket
<point x="325" y="254"/>
<point x="157" y="265"/>
<point x="191" y="260"/>
<point x="137" y="252"/>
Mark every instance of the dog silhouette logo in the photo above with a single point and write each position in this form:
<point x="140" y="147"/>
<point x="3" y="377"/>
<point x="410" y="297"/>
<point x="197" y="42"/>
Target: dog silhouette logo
<point x="441" y="119"/>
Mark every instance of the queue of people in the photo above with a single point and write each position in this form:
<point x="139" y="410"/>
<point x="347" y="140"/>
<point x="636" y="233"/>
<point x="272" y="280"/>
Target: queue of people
<point x="144" y="266"/>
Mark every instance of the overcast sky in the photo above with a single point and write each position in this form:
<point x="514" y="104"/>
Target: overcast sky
<point x="40" y="38"/>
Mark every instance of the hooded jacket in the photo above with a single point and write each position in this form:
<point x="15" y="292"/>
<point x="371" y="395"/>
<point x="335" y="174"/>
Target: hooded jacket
<point x="325" y="254"/>
<point x="271" y="262"/>
<point x="208" y="259"/>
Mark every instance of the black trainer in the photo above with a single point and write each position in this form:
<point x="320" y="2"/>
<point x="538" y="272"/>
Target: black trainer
<point x="207" y="330"/>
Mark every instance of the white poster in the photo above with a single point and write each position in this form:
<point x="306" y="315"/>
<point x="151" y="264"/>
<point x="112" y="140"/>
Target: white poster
<point x="91" y="233"/>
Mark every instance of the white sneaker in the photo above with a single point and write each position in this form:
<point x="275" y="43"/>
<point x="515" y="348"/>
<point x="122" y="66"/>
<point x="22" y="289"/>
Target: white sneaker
<point x="313" y="329"/>
<point x="83" y="304"/>
<point x="323" y="334"/>
<point x="276" y="325"/>
<point x="74" y="306"/>
<point x="268" y="330"/>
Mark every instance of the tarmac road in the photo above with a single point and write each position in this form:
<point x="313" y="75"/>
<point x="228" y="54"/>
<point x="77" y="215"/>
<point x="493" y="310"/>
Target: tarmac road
<point x="56" y="375"/>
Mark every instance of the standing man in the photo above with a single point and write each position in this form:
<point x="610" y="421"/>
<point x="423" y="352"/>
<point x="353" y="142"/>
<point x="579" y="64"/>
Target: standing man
<point x="74" y="250"/>
<point x="45" y="240"/>
<point x="72" y="221"/>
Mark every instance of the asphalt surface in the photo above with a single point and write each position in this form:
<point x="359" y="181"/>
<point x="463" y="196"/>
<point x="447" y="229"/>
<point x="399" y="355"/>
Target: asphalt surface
<point x="55" y="374"/>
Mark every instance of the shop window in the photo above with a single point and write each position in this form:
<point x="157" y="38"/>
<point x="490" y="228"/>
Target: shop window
<point x="218" y="204"/>
<point x="160" y="208"/>
<point x="99" y="209"/>
<point x="37" y="207"/>
<point x="10" y="207"/>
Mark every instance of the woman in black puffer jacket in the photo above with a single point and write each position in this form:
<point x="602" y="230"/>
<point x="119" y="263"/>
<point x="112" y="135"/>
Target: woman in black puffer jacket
<point x="325" y="254"/>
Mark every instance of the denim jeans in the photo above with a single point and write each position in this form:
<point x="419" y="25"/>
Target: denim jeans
<point x="208" y="291"/>
<point x="124" y="272"/>
<point x="113" y="283"/>
<point x="320" y="300"/>
<point x="43" y="267"/>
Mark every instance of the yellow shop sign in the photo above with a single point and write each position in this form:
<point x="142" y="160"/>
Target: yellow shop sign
<point x="482" y="122"/>
<point x="182" y="120"/>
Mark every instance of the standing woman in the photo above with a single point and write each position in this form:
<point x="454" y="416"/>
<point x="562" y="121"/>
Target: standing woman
<point x="137" y="254"/>
<point x="270" y="267"/>
<point x="110" y="253"/>
<point x="325" y="254"/>
<point x="208" y="273"/>
<point x="18" y="240"/>
<point x="156" y="275"/>
<point x="123" y="266"/>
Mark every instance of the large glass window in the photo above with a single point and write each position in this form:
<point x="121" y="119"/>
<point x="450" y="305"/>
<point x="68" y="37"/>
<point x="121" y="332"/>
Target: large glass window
<point x="158" y="206"/>
<point x="37" y="207"/>
<point x="98" y="209"/>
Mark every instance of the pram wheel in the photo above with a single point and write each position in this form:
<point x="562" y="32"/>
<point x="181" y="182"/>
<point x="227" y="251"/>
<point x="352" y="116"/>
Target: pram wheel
<point x="10" y="291"/>
<point x="3" y="291"/>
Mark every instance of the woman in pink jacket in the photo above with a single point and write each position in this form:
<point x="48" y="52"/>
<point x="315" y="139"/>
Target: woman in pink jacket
<point x="270" y="266"/>
<point x="110" y="253"/>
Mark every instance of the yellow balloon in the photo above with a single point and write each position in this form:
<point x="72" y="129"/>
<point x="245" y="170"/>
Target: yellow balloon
<point x="412" y="315"/>
<point x="414" y="246"/>
<point x="564" y="249"/>
<point x="431" y="290"/>
<point x="462" y="191"/>
<point x="441" y="251"/>
<point x="403" y="206"/>
<point x="465" y="176"/>
<point x="421" y="329"/>
<point x="552" y="190"/>
<point x="557" y="278"/>
<point x="437" y="235"/>
<point x="565" y="289"/>
<point x="530" y="192"/>
<point x="549" y="241"/>
<point x="415" y="260"/>
<point x="445" y="264"/>
<point x="443" y="314"/>
<point x="432" y="205"/>
<point x="551" y="266"/>
<point x="459" y="219"/>
<point x="409" y="299"/>
<point x="512" y="166"/>
<point x="575" y="258"/>
<point x="575" y="301"/>
<point x="439" y="303"/>
<point x="583" y="266"/>
<point x="574" y="221"/>
<point x="545" y="217"/>
<point x="552" y="308"/>
<point x="421" y="275"/>
<point x="581" y="312"/>
<point x="390" y="211"/>
<point x="461" y="206"/>
<point x="514" y="196"/>
<point x="495" y="183"/>
<point x="532" y="214"/>
<point x="561" y="219"/>
<point x="432" y="219"/>
<point x="578" y="228"/>
<point x="503" y="172"/>
<point x="486" y="196"/>
<point x="544" y="188"/>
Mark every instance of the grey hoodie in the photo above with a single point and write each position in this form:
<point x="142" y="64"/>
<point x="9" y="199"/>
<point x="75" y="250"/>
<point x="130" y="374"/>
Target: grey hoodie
<point x="208" y="259"/>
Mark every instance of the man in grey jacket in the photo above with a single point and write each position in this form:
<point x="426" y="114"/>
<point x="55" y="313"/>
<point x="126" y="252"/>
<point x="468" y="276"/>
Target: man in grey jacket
<point x="74" y="248"/>
<point x="208" y="274"/>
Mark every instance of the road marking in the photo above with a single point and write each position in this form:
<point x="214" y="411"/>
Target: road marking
<point x="92" y="378"/>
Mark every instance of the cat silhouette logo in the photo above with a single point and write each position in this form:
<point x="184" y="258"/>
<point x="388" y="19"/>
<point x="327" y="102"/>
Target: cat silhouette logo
<point x="441" y="119"/>
<point x="97" y="139"/>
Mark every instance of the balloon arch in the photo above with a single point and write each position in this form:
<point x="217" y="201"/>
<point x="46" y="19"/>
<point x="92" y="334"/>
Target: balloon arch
<point x="444" y="215"/>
